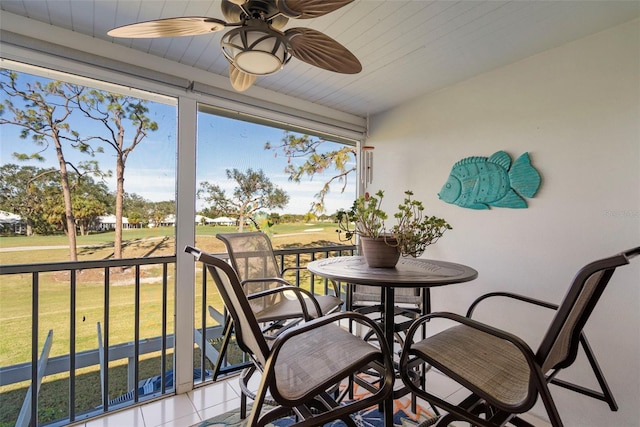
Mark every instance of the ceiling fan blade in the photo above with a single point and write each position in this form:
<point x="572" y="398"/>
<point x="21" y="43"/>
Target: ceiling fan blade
<point x="240" y="80"/>
<point x="305" y="9"/>
<point x="232" y="10"/>
<point x="169" y="27"/>
<point x="316" y="48"/>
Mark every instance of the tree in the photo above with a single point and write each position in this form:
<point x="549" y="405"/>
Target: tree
<point x="35" y="194"/>
<point x="135" y="219"/>
<point x="90" y="200"/>
<point x="316" y="162"/>
<point x="219" y="205"/>
<point x="54" y="213"/>
<point x="23" y="190"/>
<point x="160" y="210"/>
<point x="44" y="117"/>
<point x="254" y="192"/>
<point x="118" y="114"/>
<point x="211" y="212"/>
<point x="136" y="208"/>
<point x="310" y="217"/>
<point x="274" y="218"/>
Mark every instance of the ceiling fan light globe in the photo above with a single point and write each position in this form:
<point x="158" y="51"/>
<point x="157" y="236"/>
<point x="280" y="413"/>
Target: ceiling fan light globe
<point x="257" y="62"/>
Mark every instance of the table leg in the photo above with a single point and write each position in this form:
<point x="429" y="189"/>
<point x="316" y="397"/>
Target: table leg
<point x="389" y="327"/>
<point x="426" y="301"/>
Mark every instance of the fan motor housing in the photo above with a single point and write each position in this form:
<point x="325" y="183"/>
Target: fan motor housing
<point x="256" y="48"/>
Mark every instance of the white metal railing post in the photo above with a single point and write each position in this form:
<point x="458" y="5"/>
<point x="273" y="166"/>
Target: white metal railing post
<point x="24" y="418"/>
<point x="103" y="362"/>
<point x="185" y="235"/>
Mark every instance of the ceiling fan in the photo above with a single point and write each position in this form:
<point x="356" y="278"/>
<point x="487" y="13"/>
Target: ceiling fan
<point x="256" y="46"/>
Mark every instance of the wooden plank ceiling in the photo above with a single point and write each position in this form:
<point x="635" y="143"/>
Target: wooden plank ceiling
<point x="406" y="47"/>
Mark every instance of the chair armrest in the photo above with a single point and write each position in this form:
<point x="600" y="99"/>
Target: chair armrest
<point x="518" y="297"/>
<point x="334" y="317"/>
<point x="265" y="279"/>
<point x="300" y="295"/>
<point x="284" y="270"/>
<point x="520" y="344"/>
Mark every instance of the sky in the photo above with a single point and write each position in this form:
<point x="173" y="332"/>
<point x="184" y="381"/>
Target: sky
<point x="223" y="143"/>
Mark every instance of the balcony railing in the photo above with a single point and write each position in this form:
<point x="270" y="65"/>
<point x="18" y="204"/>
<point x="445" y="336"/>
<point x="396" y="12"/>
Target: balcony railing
<point x="129" y="297"/>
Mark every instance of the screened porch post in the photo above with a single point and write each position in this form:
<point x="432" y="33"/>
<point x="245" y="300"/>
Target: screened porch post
<point x="185" y="235"/>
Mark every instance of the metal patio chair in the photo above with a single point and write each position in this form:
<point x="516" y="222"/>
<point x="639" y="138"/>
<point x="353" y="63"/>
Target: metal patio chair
<point x="503" y="374"/>
<point x="302" y="367"/>
<point x="251" y="255"/>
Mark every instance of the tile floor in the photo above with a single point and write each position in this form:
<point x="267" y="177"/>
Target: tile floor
<point x="200" y="404"/>
<point x="181" y="410"/>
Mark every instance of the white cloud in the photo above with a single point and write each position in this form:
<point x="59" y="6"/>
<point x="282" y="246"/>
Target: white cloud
<point x="156" y="185"/>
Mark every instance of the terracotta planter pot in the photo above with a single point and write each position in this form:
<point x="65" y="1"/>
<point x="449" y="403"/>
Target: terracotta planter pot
<point x="379" y="254"/>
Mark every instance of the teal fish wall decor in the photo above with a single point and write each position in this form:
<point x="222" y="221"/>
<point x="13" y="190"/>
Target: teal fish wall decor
<point x="480" y="182"/>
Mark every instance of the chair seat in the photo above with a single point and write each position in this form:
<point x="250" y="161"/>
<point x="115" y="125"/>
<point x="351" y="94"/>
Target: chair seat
<point x="290" y="308"/>
<point x="315" y="359"/>
<point x="479" y="361"/>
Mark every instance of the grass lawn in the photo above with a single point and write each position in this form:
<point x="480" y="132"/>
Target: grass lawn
<point x="97" y="239"/>
<point x="150" y="242"/>
<point x="54" y="303"/>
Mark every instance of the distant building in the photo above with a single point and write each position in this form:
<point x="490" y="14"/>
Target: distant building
<point x="224" y="220"/>
<point x="168" y="221"/>
<point x="108" y="222"/>
<point x="12" y="223"/>
<point x="203" y="220"/>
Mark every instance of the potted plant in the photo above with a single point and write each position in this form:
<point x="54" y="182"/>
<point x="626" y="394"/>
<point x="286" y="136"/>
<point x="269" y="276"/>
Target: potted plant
<point x="410" y="236"/>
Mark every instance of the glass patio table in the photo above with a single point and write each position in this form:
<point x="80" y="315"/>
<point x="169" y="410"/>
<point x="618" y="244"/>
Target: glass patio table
<point x="408" y="273"/>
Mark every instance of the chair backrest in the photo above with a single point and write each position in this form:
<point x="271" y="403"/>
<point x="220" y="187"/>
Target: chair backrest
<point x="247" y="329"/>
<point x="559" y="347"/>
<point x="251" y="255"/>
<point x="367" y="293"/>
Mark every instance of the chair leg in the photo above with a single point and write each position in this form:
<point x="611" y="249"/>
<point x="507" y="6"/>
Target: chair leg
<point x="245" y="376"/>
<point x="226" y="339"/>
<point x="550" y="406"/>
<point x="243" y="406"/>
<point x="606" y="391"/>
<point x="605" y="395"/>
<point x="254" y="417"/>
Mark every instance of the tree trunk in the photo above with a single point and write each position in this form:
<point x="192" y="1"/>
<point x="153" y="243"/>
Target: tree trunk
<point x="117" y="249"/>
<point x="241" y="223"/>
<point x="70" y="222"/>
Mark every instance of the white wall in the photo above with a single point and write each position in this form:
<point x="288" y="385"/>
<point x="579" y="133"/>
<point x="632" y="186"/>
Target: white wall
<point x="576" y="110"/>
